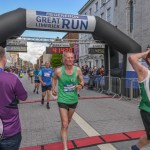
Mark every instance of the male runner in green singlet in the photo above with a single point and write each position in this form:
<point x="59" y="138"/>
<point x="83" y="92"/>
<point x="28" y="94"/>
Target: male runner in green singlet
<point x="144" y="84"/>
<point x="68" y="87"/>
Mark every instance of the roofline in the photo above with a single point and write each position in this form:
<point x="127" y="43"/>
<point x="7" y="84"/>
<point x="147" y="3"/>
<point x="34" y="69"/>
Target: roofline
<point x="85" y="6"/>
<point x="65" y="35"/>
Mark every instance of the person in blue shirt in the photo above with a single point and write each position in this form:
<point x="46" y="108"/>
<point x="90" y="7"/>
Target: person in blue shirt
<point x="45" y="77"/>
<point x="36" y="79"/>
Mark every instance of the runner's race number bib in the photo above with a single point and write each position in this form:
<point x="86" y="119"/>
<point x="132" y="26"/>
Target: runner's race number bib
<point x="46" y="74"/>
<point x="69" y="88"/>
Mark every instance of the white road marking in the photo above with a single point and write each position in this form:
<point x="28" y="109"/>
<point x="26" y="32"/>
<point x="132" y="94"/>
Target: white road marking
<point x="91" y="131"/>
<point x="106" y="147"/>
<point x="85" y="126"/>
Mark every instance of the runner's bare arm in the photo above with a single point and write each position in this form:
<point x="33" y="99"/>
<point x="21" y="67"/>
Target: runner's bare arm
<point x="137" y="66"/>
<point x="80" y="77"/>
<point x="40" y="79"/>
<point x="57" y="74"/>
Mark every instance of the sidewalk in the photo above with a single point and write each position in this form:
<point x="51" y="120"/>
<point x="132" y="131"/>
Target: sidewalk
<point x="104" y="115"/>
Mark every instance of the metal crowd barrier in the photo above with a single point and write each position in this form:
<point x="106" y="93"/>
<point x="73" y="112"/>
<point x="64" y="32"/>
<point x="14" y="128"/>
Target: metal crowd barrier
<point x="116" y="86"/>
<point x="126" y="88"/>
<point x="110" y="85"/>
<point x="129" y="88"/>
<point x="86" y="79"/>
<point x="97" y="82"/>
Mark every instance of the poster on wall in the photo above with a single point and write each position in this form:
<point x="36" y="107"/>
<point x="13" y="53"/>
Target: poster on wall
<point x="59" y="21"/>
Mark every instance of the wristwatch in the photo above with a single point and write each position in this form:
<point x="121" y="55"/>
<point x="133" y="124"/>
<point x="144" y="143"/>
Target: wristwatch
<point x="81" y="85"/>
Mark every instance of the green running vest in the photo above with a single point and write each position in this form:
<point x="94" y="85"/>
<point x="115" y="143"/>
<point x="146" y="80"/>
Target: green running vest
<point x="145" y="93"/>
<point x="67" y="92"/>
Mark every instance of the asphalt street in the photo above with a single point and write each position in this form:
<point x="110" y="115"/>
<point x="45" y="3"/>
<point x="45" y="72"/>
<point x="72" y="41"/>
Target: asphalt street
<point x="98" y="115"/>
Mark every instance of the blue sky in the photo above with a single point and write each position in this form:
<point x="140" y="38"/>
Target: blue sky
<point x="57" y="6"/>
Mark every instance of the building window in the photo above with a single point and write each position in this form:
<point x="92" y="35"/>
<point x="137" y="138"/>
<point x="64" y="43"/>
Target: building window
<point x="103" y="2"/>
<point x="90" y="10"/>
<point x="131" y="15"/>
<point x="96" y="6"/>
<point x="109" y="15"/>
<point x="116" y="3"/>
<point x="102" y="16"/>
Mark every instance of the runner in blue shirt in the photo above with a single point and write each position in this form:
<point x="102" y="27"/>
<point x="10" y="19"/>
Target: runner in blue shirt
<point x="45" y="76"/>
<point x="36" y="79"/>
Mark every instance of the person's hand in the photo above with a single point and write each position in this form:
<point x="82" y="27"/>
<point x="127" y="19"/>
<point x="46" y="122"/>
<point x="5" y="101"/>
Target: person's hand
<point x="147" y="56"/>
<point x="43" y="84"/>
<point x="54" y="92"/>
<point x="147" y="52"/>
<point x="78" y="87"/>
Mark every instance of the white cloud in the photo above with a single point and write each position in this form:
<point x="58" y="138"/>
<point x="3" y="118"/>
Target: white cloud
<point x="34" y="51"/>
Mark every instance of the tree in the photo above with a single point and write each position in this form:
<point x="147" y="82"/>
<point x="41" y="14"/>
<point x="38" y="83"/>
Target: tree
<point x="56" y="60"/>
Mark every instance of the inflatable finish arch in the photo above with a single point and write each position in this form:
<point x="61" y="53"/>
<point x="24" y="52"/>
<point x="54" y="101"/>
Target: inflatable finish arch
<point x="14" y="23"/>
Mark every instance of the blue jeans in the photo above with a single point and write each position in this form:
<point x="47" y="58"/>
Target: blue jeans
<point x="11" y="143"/>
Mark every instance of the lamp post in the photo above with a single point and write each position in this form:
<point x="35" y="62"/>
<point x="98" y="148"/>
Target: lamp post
<point x="109" y="92"/>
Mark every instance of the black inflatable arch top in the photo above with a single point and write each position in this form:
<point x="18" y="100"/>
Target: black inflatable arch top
<point x="14" y="24"/>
